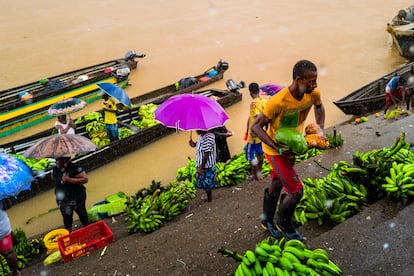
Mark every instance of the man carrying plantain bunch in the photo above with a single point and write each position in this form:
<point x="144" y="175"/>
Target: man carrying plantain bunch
<point x="288" y="108"/>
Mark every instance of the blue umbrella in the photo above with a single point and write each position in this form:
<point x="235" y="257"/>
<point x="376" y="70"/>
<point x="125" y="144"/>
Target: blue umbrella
<point x="15" y="176"/>
<point x="116" y="92"/>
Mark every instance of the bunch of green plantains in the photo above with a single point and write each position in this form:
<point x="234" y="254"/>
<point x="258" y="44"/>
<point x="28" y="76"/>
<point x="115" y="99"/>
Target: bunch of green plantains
<point x="385" y="172"/>
<point x="283" y="257"/>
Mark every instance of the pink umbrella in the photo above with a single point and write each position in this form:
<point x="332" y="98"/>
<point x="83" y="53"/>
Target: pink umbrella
<point x="191" y="112"/>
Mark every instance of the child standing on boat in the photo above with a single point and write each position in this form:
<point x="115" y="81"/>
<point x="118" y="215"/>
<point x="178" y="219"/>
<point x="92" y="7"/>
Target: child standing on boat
<point x="65" y="125"/>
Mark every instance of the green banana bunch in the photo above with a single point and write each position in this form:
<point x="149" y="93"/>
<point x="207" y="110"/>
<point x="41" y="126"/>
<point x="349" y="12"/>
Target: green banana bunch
<point x="335" y="139"/>
<point x="95" y="126"/>
<point x="146" y="117"/>
<point x="152" y="206"/>
<point x="124" y="132"/>
<point x="93" y="116"/>
<point x="333" y="198"/>
<point x="233" y="172"/>
<point x="392" y="114"/>
<point x="311" y="152"/>
<point x="283" y="257"/>
<point x="400" y="182"/>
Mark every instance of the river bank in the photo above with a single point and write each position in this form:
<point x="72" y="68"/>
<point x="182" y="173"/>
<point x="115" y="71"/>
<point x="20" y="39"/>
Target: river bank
<point x="376" y="241"/>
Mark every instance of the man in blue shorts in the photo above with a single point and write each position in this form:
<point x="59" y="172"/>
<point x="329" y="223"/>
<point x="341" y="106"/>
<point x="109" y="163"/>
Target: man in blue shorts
<point x="253" y="149"/>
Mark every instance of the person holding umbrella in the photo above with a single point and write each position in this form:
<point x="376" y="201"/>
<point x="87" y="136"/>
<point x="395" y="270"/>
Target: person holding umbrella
<point x="111" y="121"/>
<point x="65" y="125"/>
<point x="6" y="244"/>
<point x="70" y="191"/>
<point x="205" y="162"/>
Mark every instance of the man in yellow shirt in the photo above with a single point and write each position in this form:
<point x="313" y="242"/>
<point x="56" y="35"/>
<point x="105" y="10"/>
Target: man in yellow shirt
<point x="111" y="121"/>
<point x="253" y="149"/>
<point x="288" y="108"/>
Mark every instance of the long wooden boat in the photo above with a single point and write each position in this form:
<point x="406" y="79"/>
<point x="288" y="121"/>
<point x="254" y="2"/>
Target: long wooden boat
<point x="26" y="105"/>
<point x="371" y="97"/>
<point x="402" y="33"/>
<point x="141" y="138"/>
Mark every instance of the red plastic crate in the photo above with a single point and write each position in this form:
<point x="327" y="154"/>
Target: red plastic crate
<point x="85" y="240"/>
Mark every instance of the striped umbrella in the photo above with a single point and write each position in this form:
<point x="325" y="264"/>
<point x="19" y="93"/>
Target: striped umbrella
<point x="60" y="145"/>
<point x="66" y="106"/>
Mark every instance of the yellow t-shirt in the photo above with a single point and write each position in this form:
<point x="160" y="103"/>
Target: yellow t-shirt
<point x="284" y="110"/>
<point x="110" y="117"/>
<point x="256" y="107"/>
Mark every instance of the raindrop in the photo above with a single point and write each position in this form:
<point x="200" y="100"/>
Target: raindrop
<point x="411" y="49"/>
<point x="60" y="195"/>
<point x="212" y="11"/>
<point x="254" y="162"/>
<point x="322" y="70"/>
<point x="328" y="203"/>
<point x="386" y="245"/>
<point x="392" y="224"/>
<point x="410" y="79"/>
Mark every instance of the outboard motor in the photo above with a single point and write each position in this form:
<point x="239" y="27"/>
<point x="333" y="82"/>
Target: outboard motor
<point x="222" y="66"/>
<point x="122" y="73"/>
<point x="131" y="55"/>
<point x="234" y="87"/>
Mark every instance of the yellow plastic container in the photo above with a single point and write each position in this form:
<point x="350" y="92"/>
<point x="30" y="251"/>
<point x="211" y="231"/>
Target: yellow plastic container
<point x="50" y="239"/>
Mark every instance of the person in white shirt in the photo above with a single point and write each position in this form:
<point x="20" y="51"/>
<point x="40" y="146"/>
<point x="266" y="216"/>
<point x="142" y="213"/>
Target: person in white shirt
<point x="65" y="125"/>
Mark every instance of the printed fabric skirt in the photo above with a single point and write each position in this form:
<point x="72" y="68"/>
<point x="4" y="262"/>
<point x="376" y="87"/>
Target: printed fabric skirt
<point x="208" y="180"/>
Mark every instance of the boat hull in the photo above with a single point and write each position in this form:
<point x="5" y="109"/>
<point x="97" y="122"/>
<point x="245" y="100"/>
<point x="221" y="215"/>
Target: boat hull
<point x="371" y="97"/>
<point x="403" y="39"/>
<point x="17" y="114"/>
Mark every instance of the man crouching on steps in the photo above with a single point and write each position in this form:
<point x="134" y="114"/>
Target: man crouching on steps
<point x="288" y="108"/>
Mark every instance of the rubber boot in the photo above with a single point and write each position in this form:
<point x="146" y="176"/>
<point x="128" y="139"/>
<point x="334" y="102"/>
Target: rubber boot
<point x="269" y="208"/>
<point x="284" y="221"/>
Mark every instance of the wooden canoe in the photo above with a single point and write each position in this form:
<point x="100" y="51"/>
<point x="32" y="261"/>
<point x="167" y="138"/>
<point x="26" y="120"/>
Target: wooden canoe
<point x="117" y="149"/>
<point x="26" y="105"/>
<point x="371" y="97"/>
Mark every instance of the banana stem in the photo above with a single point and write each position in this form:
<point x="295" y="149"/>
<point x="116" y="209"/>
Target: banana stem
<point x="228" y="253"/>
<point x="353" y="170"/>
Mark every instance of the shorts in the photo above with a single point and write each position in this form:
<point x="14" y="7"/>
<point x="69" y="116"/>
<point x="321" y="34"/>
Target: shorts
<point x="283" y="170"/>
<point x="112" y="131"/>
<point x="6" y="243"/>
<point x="208" y="180"/>
<point x="398" y="93"/>
<point x="253" y="150"/>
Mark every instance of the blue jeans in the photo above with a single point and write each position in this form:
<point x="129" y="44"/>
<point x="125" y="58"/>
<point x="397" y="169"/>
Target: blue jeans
<point x="112" y="131"/>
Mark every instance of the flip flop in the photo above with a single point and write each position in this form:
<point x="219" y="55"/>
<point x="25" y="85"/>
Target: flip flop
<point x="292" y="235"/>
<point x="272" y="230"/>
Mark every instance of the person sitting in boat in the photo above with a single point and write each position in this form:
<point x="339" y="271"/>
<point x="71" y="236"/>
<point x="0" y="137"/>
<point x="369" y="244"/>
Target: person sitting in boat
<point x="404" y="17"/>
<point x="396" y="92"/>
<point x="65" y="125"/>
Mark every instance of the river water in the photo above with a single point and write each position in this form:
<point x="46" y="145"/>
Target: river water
<point x="261" y="40"/>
